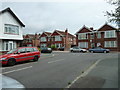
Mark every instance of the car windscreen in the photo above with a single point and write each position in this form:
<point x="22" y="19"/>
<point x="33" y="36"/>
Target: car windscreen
<point x="11" y="51"/>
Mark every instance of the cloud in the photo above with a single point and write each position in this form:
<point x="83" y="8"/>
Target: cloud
<point x="48" y="16"/>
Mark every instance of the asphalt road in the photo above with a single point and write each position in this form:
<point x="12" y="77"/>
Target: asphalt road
<point x="54" y="70"/>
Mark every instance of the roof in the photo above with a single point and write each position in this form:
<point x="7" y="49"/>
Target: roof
<point x="107" y="26"/>
<point x="48" y="33"/>
<point x="64" y="33"/>
<point x="13" y="14"/>
<point x="85" y="28"/>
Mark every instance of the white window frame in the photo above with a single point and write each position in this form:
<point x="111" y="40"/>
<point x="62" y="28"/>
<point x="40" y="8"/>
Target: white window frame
<point x="43" y="39"/>
<point x="43" y="45"/>
<point x="110" y="34"/>
<point x="82" y="36"/>
<point x="58" y="38"/>
<point x="11" y="29"/>
<point x="99" y="35"/>
<point x="110" y="44"/>
<point x="83" y="44"/>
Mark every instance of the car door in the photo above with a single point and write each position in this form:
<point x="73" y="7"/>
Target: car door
<point x="29" y="53"/>
<point x="21" y="55"/>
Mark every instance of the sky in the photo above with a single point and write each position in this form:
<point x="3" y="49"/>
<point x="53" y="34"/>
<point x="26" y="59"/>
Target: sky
<point x="49" y="15"/>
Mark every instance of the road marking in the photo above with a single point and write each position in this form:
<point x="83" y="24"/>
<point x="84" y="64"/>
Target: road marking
<point x="85" y="73"/>
<point x="56" y="60"/>
<point x="19" y="65"/>
<point x="17" y="70"/>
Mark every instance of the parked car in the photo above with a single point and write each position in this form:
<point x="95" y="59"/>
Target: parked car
<point x="20" y="54"/>
<point x="61" y="48"/>
<point x="46" y="50"/>
<point x="77" y="49"/>
<point x="99" y="49"/>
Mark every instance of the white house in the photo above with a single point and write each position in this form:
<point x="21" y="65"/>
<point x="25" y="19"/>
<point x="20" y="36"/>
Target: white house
<point x="11" y="29"/>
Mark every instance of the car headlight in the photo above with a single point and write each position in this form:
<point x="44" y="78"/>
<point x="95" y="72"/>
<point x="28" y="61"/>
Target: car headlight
<point x="49" y="48"/>
<point x="3" y="58"/>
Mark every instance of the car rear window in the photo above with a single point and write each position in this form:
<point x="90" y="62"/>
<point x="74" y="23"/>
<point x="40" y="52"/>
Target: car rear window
<point x="35" y="49"/>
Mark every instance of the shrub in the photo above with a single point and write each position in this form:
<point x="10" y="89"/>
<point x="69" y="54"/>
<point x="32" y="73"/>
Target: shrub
<point x="53" y="46"/>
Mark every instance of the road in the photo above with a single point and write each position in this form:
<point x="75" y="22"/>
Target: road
<point x="54" y="70"/>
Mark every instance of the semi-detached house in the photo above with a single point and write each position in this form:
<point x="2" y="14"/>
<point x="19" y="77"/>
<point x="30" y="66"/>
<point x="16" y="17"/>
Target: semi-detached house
<point x="58" y="38"/>
<point x="10" y="30"/>
<point x="106" y="37"/>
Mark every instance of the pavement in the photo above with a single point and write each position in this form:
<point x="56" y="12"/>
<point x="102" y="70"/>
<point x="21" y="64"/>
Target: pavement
<point x="103" y="75"/>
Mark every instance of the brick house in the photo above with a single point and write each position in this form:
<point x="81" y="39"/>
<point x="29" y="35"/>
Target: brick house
<point x="57" y="38"/>
<point x="45" y="39"/>
<point x="62" y="39"/>
<point x="31" y="40"/>
<point x="11" y="29"/>
<point x="105" y="37"/>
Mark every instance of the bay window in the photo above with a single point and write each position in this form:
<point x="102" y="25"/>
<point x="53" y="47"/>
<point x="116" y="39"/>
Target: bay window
<point x="110" y="34"/>
<point x="11" y="29"/>
<point x="82" y="36"/>
<point x="43" y="39"/>
<point x="110" y="44"/>
<point x="83" y="44"/>
<point x="57" y="38"/>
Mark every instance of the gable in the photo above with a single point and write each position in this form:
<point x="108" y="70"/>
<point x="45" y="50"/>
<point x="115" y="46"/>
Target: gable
<point x="10" y="13"/>
<point x="43" y="35"/>
<point x="55" y="33"/>
<point x="106" y="27"/>
<point x="84" y="30"/>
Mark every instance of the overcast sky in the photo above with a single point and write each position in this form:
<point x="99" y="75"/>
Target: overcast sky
<point x="47" y="16"/>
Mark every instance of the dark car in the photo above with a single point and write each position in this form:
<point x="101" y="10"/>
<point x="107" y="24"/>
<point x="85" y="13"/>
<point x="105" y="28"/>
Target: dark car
<point x="99" y="49"/>
<point x="61" y="48"/>
<point x="19" y="55"/>
<point x="46" y="50"/>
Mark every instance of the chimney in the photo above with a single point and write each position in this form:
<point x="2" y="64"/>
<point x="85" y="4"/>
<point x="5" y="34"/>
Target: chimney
<point x="66" y="31"/>
<point x="66" y="39"/>
<point x="91" y="28"/>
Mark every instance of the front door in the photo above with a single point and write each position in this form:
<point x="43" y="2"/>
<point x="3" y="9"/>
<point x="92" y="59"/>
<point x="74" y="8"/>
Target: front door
<point x="10" y="45"/>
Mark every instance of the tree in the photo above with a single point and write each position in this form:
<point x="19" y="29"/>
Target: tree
<point x="114" y="16"/>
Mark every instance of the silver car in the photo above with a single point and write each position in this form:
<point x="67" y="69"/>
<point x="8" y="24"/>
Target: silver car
<point x="77" y="49"/>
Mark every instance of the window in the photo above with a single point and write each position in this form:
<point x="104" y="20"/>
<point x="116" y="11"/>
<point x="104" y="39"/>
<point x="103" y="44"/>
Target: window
<point x="43" y="45"/>
<point x="29" y="49"/>
<point x="92" y="36"/>
<point x="48" y="38"/>
<point x="6" y="45"/>
<point x="99" y="35"/>
<point x="57" y="38"/>
<point x="110" y="44"/>
<point x="83" y="44"/>
<point x="14" y="44"/>
<point x="82" y="36"/>
<point x="11" y="29"/>
<point x="22" y="50"/>
<point x="110" y="34"/>
<point x="43" y="39"/>
<point x="35" y="49"/>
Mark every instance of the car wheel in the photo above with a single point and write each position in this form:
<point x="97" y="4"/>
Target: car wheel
<point x="82" y="51"/>
<point x="92" y="51"/>
<point x="71" y="50"/>
<point x="11" y="62"/>
<point x="105" y="51"/>
<point x="35" y="58"/>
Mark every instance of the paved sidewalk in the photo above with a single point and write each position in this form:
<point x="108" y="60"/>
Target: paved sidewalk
<point x="103" y="75"/>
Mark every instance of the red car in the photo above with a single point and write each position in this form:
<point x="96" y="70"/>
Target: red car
<point x="20" y="54"/>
